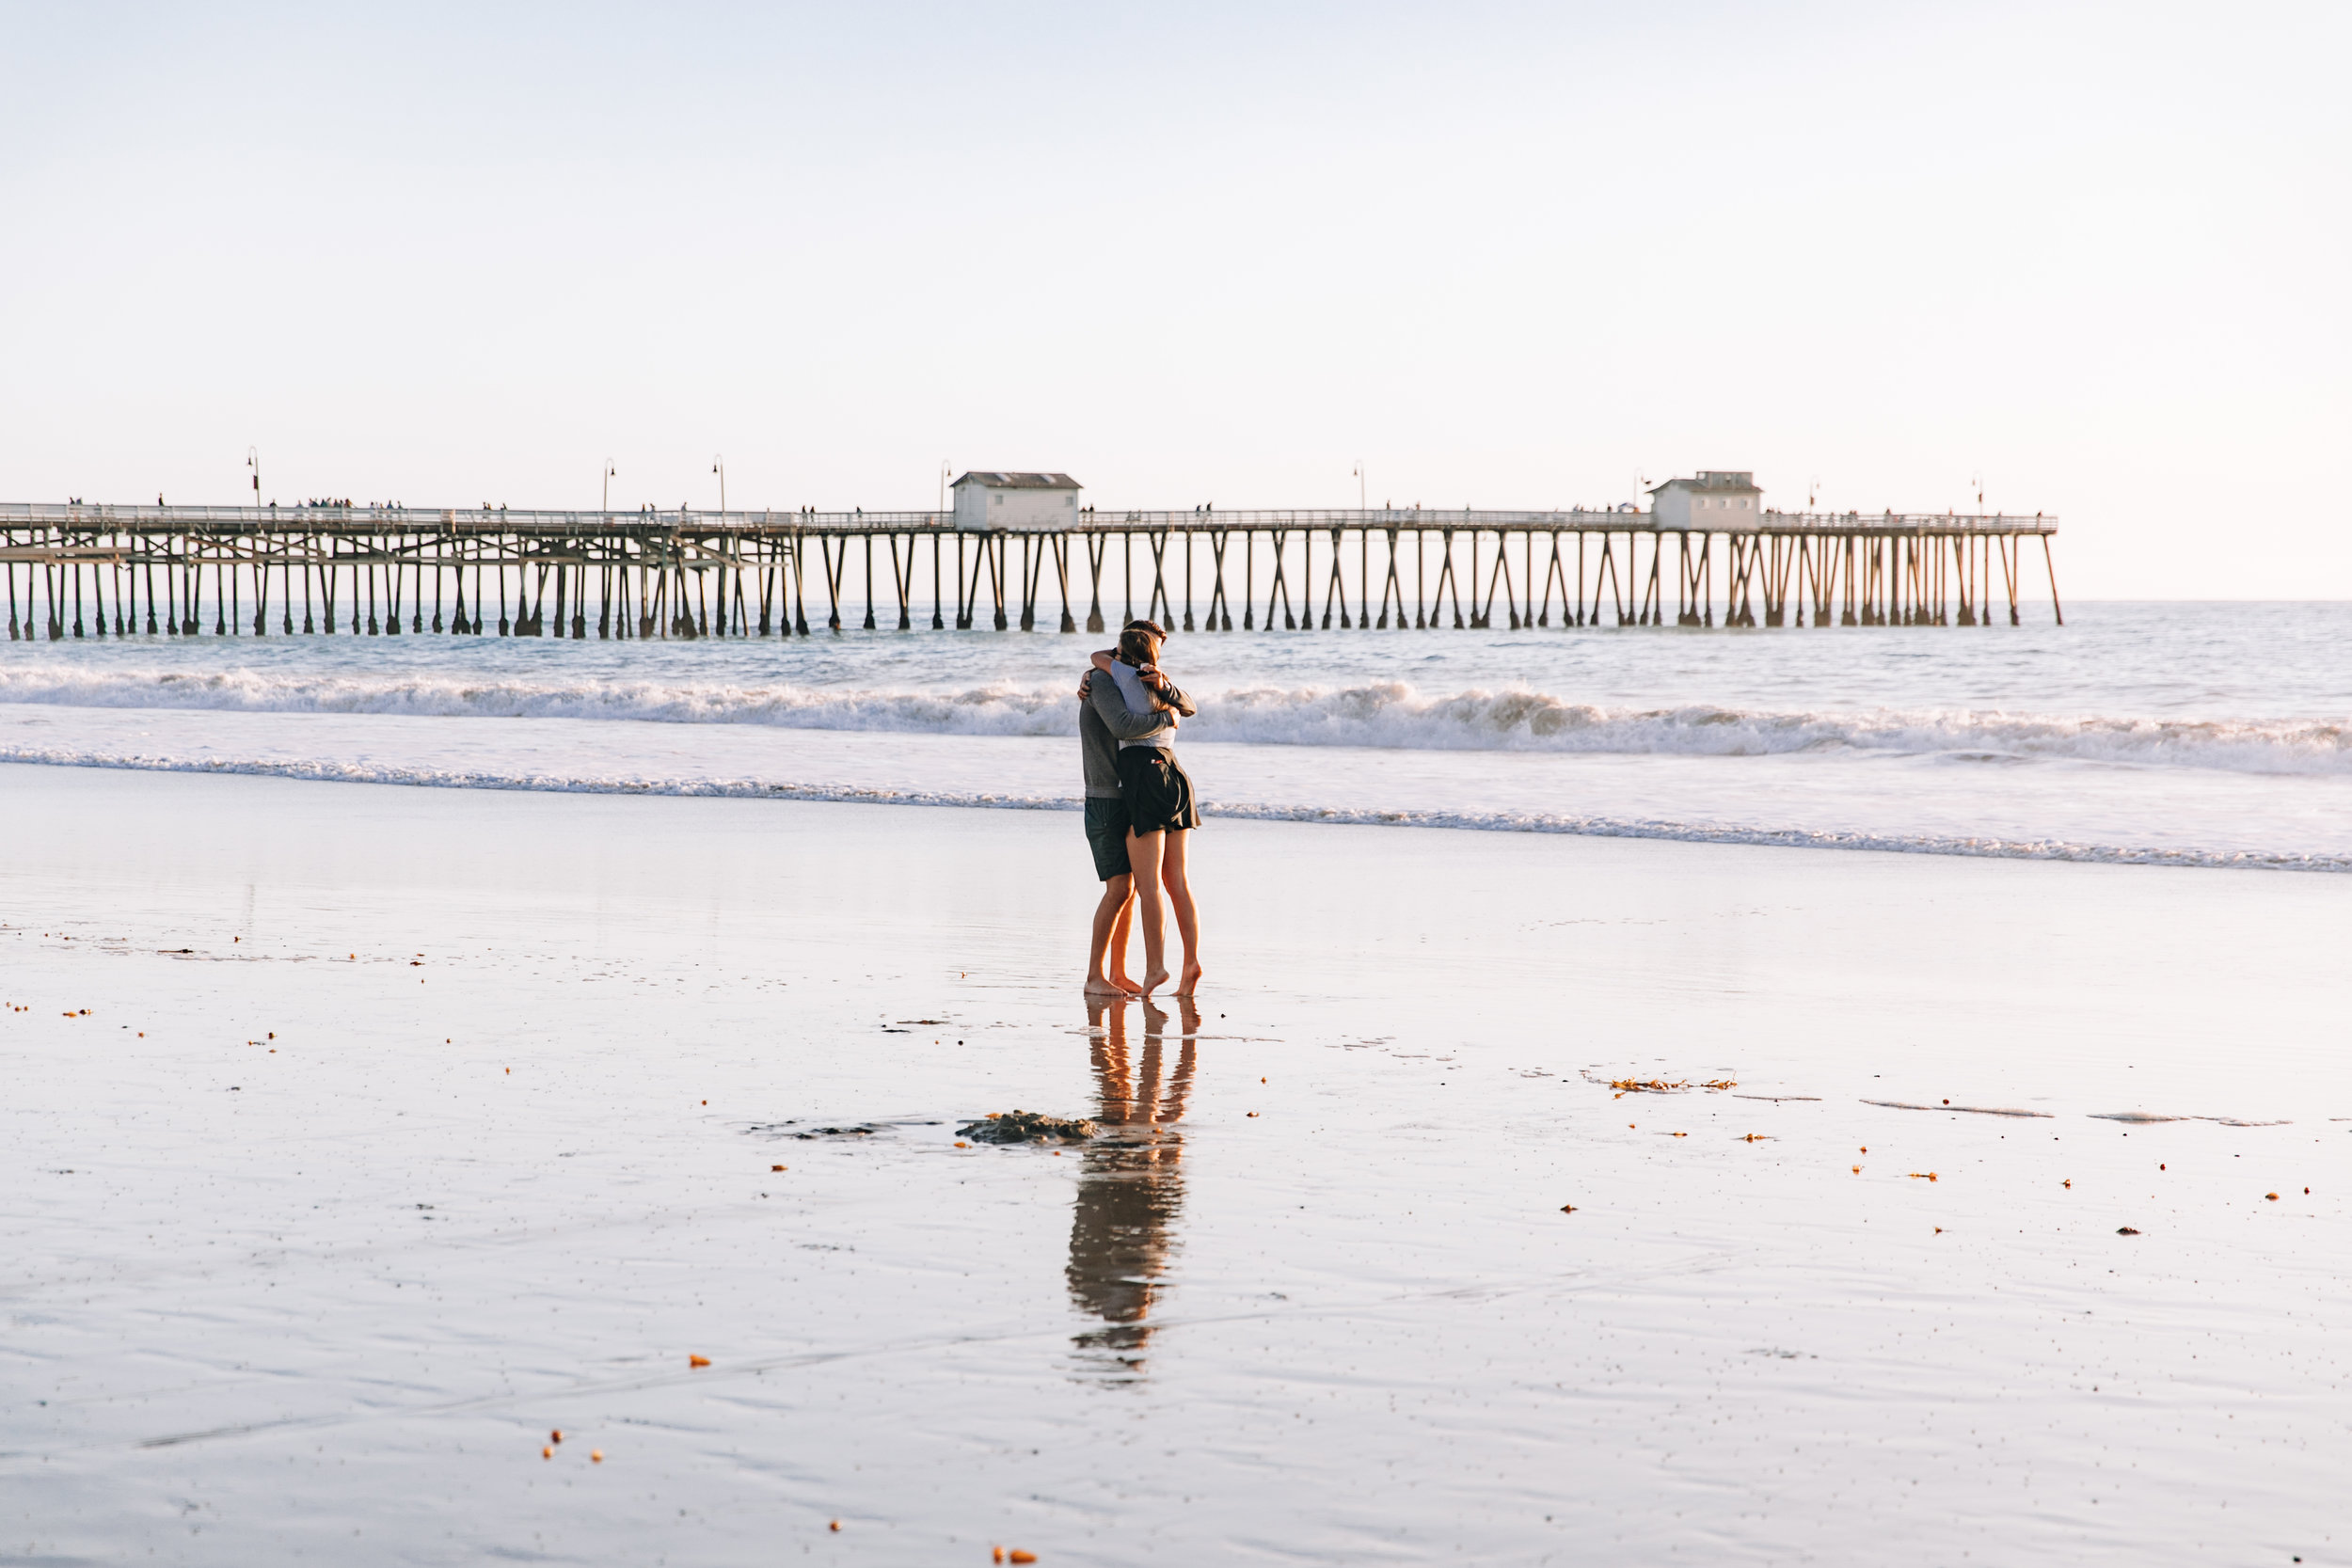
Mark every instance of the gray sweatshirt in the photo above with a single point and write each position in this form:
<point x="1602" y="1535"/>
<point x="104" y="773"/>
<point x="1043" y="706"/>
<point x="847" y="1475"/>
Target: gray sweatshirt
<point x="1140" y="699"/>
<point x="1103" y="722"/>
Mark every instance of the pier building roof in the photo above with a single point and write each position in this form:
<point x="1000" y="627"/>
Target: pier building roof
<point x="999" y="480"/>
<point x="1714" y="482"/>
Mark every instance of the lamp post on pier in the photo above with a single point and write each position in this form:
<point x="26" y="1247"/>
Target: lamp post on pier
<point x="253" y="461"/>
<point x="609" y="471"/>
<point x="1364" y="557"/>
<point x="718" y="466"/>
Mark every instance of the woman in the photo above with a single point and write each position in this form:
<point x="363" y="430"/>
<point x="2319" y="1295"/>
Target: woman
<point x="1161" y="809"/>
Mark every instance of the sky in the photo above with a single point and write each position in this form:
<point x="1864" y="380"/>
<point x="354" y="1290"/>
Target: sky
<point x="2088" y="259"/>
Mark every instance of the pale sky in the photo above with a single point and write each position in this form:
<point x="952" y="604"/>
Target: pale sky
<point x="1504" y="254"/>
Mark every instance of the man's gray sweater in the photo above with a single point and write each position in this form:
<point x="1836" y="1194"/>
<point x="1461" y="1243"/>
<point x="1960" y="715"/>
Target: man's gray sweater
<point x="1103" y="722"/>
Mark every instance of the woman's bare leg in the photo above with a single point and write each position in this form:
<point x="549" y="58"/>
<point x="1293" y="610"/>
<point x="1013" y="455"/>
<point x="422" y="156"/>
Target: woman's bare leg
<point x="1143" y="859"/>
<point x="1179" y="886"/>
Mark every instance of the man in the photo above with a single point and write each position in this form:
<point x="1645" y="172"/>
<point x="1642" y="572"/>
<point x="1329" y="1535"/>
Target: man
<point x="1103" y="720"/>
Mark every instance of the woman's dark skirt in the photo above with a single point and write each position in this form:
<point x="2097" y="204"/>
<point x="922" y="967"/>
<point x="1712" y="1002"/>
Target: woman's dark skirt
<point x="1159" y="793"/>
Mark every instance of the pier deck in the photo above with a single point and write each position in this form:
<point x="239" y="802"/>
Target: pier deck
<point x="80" y="570"/>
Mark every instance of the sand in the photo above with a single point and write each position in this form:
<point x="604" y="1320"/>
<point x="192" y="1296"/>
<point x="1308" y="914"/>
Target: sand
<point x="406" y="1126"/>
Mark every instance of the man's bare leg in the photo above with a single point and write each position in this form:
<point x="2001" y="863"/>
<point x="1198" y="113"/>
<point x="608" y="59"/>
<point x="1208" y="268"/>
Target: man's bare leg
<point x="1172" y="872"/>
<point x="1110" y="916"/>
<point x="1143" y="857"/>
<point x="1115" y="965"/>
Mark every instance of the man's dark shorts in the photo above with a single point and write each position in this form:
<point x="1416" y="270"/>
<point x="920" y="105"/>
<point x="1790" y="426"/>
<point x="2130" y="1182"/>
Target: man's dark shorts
<point x="1159" y="793"/>
<point x="1106" y="835"/>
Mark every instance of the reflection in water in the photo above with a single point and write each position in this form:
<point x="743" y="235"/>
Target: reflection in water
<point x="1130" y="1186"/>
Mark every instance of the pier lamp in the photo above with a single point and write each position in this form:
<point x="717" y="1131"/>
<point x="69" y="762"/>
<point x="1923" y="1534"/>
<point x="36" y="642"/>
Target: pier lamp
<point x="718" y="466"/>
<point x="609" y="471"/>
<point x="253" y="460"/>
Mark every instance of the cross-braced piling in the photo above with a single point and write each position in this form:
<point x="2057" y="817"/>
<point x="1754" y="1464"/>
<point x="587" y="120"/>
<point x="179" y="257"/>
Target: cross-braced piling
<point x="184" y="571"/>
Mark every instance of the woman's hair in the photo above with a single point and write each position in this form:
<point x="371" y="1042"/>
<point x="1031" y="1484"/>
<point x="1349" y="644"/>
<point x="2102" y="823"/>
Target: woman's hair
<point x="1140" y="644"/>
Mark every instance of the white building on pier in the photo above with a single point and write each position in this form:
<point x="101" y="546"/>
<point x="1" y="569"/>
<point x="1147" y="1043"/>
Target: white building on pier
<point x="1716" y="499"/>
<point x="990" y="498"/>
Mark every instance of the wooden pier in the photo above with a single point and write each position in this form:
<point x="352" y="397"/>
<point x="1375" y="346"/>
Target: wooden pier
<point x="123" y="571"/>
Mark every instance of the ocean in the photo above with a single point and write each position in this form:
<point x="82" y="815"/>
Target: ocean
<point x="2182" y="734"/>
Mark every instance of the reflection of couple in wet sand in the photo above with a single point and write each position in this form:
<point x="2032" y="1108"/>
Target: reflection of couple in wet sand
<point x="1139" y="813"/>
<point x="1130" y="1186"/>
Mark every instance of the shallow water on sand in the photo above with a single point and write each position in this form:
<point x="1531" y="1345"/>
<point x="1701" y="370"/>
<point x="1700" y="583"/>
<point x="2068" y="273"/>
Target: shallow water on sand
<point x="406" y="1126"/>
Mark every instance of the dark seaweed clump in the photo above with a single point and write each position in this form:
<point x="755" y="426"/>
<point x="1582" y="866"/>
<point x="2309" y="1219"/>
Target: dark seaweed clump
<point x="1021" y="1127"/>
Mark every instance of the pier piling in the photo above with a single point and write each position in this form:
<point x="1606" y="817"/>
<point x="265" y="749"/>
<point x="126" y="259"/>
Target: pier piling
<point x="84" y="571"/>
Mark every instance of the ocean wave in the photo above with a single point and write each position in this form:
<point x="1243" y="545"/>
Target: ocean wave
<point x="1523" y="822"/>
<point x="1388" y="715"/>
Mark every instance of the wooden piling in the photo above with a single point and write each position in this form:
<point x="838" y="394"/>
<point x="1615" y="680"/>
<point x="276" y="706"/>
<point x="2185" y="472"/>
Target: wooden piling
<point x="95" y="572"/>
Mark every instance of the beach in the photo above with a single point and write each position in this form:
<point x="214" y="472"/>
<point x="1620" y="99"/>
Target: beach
<point x="1751" y="767"/>
<point x="406" y="1126"/>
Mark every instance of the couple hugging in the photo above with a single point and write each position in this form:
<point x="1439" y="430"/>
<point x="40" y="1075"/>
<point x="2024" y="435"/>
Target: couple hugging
<point x="1139" y="812"/>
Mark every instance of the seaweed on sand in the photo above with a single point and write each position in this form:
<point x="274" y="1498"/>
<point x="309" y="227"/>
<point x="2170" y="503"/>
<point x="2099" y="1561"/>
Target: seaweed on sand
<point x="1021" y="1127"/>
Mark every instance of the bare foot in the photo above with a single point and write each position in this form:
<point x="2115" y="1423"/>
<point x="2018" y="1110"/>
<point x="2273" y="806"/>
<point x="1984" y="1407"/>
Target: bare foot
<point x="1097" y="986"/>
<point x="1153" y="980"/>
<point x="1124" y="985"/>
<point x="1191" y="980"/>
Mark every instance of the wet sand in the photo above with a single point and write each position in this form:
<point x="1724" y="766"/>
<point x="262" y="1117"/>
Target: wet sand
<point x="407" y="1126"/>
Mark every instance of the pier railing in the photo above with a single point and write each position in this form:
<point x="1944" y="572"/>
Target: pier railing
<point x="75" y="570"/>
<point x="381" y="519"/>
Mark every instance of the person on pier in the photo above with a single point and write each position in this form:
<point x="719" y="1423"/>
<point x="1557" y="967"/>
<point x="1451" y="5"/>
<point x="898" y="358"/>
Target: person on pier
<point x="1160" y="804"/>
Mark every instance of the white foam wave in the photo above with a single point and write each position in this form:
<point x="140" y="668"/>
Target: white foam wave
<point x="1396" y="715"/>
<point x="1381" y="713"/>
<point x="999" y="709"/>
<point x="1525" y="822"/>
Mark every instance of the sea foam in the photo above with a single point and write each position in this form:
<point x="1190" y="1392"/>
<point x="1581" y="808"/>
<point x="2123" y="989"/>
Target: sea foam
<point x="1387" y="714"/>
<point x="1597" y="825"/>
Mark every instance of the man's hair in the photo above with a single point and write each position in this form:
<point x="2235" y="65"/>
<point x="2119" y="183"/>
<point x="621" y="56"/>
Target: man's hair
<point x="1140" y="643"/>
